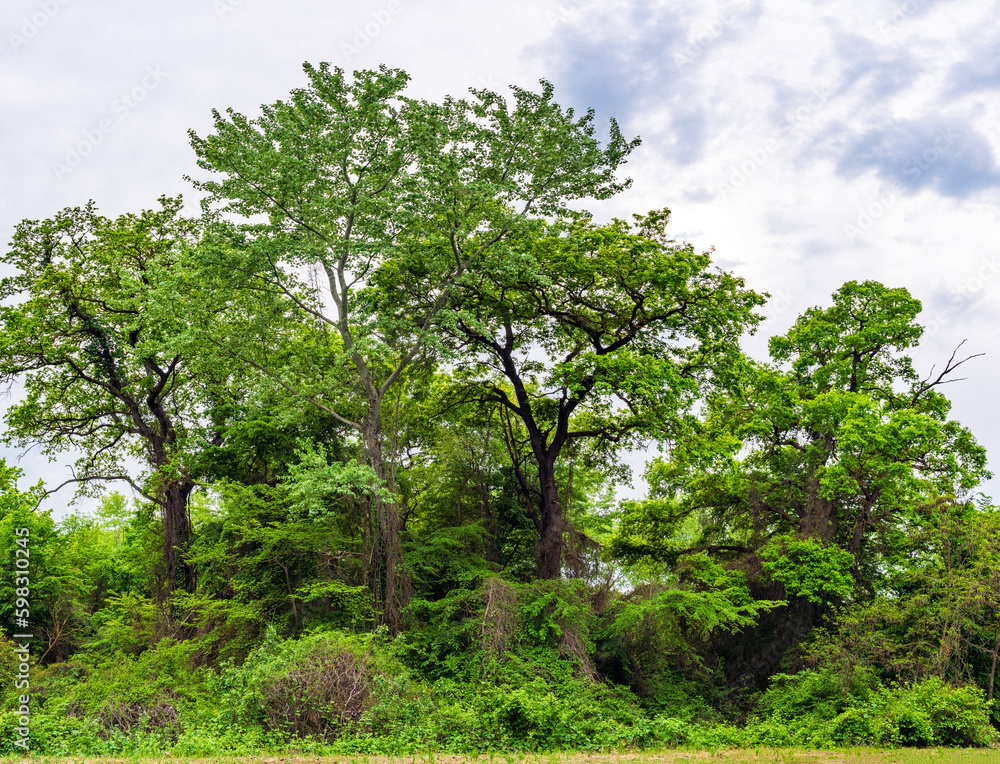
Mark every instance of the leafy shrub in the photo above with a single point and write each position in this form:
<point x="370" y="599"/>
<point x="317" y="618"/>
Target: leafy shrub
<point x="311" y="687"/>
<point x="818" y="694"/>
<point x="718" y="736"/>
<point x="869" y="723"/>
<point x="956" y="716"/>
<point x="123" y="694"/>
<point x="770" y="732"/>
<point x="817" y="709"/>
<point x="319" y="696"/>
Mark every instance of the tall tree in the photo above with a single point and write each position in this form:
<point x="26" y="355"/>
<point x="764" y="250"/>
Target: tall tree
<point x="815" y="466"/>
<point x="605" y="336"/>
<point x="347" y="177"/>
<point x="97" y="366"/>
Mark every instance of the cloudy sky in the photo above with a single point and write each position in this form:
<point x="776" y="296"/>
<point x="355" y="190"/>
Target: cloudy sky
<point x="810" y="142"/>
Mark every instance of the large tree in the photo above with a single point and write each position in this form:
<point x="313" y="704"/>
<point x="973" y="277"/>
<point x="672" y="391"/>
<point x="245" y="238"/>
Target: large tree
<point x="811" y="471"/>
<point x="603" y="338"/>
<point x="99" y="373"/>
<point x="836" y="441"/>
<point x="348" y="176"/>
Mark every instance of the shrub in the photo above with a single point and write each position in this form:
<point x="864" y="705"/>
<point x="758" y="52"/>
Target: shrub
<point x="816" y="709"/>
<point x="123" y="694"/>
<point x="956" y="716"/>
<point x="863" y="724"/>
<point x="323" y="690"/>
<point x="315" y="686"/>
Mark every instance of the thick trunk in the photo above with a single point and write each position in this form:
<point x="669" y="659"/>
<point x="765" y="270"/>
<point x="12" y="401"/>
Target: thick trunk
<point x="177" y="536"/>
<point x="384" y="556"/>
<point x="816" y="518"/>
<point x="550" y="546"/>
<point x="174" y="493"/>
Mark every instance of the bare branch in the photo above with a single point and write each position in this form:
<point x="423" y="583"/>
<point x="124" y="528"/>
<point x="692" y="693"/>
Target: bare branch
<point x="89" y="478"/>
<point x="949" y="367"/>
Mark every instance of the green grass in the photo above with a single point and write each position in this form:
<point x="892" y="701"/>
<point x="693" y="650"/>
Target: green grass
<point x="736" y="756"/>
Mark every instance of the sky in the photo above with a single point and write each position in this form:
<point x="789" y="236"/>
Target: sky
<point x="809" y="143"/>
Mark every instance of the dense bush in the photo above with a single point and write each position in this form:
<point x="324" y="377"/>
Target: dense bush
<point x="314" y="687"/>
<point x="815" y="708"/>
<point x="115" y="703"/>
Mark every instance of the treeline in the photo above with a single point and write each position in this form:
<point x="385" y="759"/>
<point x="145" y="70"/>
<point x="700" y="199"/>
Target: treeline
<point x="371" y="406"/>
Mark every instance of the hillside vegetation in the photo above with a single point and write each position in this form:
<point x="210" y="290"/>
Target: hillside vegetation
<point x="356" y="433"/>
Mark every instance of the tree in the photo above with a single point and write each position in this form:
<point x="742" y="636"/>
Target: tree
<point x="99" y="372"/>
<point x="937" y="610"/>
<point x="836" y="453"/>
<point x="350" y="177"/>
<point x="604" y="338"/>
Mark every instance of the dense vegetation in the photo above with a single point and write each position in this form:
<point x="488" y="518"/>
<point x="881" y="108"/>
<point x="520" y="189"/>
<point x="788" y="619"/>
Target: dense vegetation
<point x="372" y="405"/>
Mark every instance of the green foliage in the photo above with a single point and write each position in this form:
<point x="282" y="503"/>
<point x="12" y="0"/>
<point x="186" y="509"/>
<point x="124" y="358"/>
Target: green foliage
<point x="725" y="605"/>
<point x="316" y="686"/>
<point x="116" y="704"/>
<point x="815" y="709"/>
<point x="534" y="715"/>
<point x="808" y="569"/>
<point x="52" y="575"/>
<point x="380" y="396"/>
<point x="313" y="480"/>
<point x="447" y="559"/>
<point x="9" y="662"/>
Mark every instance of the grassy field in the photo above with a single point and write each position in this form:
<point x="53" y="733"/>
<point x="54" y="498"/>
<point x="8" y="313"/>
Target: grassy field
<point x="746" y="756"/>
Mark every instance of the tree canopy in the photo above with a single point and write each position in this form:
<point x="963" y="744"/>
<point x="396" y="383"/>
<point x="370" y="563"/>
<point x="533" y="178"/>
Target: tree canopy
<point x="375" y="405"/>
<point x="97" y="361"/>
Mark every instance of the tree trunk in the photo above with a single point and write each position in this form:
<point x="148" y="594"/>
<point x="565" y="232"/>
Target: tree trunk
<point x="177" y="535"/>
<point x="993" y="665"/>
<point x="550" y="545"/>
<point x="386" y="575"/>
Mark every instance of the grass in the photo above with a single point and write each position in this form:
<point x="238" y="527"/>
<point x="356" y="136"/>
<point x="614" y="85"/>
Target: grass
<point x="736" y="756"/>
